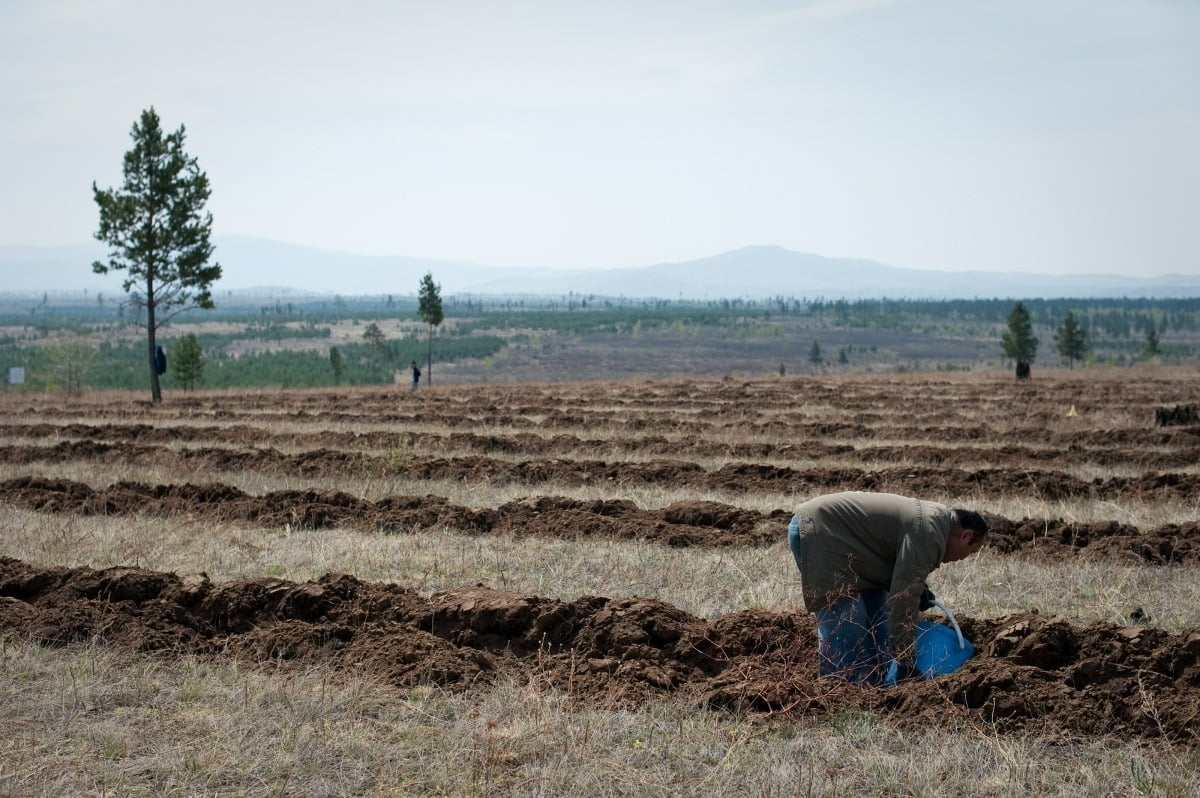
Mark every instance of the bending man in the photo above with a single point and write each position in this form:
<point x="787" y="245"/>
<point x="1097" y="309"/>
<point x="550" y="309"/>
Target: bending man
<point x="863" y="560"/>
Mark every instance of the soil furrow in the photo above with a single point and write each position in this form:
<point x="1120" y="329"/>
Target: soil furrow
<point x="1029" y="673"/>
<point x="1146" y="449"/>
<point x="684" y="523"/>
<point x="738" y="477"/>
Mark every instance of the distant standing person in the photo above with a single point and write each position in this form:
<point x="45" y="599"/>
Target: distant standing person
<point x="863" y="560"/>
<point x="416" y="375"/>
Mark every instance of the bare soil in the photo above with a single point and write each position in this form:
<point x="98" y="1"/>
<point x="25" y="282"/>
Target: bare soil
<point x="981" y="436"/>
<point x="1031" y="672"/>
<point x="683" y="523"/>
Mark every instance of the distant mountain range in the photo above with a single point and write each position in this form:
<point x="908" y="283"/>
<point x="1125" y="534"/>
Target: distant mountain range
<point x="272" y="268"/>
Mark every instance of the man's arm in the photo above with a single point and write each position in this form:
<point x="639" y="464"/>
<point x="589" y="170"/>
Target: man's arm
<point x="917" y="557"/>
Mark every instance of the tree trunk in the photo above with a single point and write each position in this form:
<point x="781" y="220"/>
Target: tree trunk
<point x="429" y="359"/>
<point x="151" y="329"/>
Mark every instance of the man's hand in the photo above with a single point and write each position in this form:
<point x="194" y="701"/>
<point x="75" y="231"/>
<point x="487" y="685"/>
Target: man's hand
<point x="926" y="600"/>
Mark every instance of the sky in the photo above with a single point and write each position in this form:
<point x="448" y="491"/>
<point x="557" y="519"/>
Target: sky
<point x="1049" y="136"/>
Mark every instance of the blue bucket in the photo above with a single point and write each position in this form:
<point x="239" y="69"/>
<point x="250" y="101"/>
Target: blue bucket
<point x="940" y="649"/>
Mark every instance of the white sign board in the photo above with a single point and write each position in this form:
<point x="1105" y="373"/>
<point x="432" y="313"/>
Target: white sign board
<point x="16" y="375"/>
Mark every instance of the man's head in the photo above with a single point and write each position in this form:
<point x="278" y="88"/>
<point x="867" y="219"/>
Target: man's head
<point x="967" y="535"/>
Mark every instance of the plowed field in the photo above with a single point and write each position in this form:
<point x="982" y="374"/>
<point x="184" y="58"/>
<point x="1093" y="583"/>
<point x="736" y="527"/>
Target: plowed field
<point x="1084" y="437"/>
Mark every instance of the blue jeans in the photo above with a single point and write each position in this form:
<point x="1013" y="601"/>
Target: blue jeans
<point x="852" y="638"/>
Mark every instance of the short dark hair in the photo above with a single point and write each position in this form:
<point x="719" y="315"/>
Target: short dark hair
<point x="969" y="519"/>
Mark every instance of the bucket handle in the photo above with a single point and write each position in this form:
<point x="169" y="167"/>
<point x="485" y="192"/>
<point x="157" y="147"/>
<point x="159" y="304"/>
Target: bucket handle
<point x="962" y="643"/>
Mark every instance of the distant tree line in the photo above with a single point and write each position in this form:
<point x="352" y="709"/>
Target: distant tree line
<point x="1087" y="332"/>
<point x="1113" y="318"/>
<point x="203" y="363"/>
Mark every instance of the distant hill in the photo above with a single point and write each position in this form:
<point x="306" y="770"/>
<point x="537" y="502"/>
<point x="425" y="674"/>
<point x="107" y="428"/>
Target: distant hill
<point x="260" y="266"/>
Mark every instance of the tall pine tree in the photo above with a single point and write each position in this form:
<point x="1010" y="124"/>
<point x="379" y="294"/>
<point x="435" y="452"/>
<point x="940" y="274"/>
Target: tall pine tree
<point x="430" y="309"/>
<point x="158" y="232"/>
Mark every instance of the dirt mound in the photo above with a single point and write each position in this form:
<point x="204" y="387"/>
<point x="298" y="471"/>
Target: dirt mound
<point x="1051" y="539"/>
<point x="1030" y="672"/>
<point x="687" y="523"/>
<point x="797" y="440"/>
<point x="733" y="478"/>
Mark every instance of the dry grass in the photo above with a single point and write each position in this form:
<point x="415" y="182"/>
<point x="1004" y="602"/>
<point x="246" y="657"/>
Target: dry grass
<point x="90" y="721"/>
<point x="87" y="720"/>
<point x="373" y="483"/>
<point x="84" y="721"/>
<point x="704" y="582"/>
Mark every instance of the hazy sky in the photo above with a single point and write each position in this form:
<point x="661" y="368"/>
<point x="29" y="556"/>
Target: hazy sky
<point x="1055" y="136"/>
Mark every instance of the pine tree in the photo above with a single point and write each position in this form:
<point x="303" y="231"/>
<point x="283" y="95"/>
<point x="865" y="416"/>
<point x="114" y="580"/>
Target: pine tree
<point x="376" y="339"/>
<point x="430" y="310"/>
<point x="1018" y="340"/>
<point x="1152" y="341"/>
<point x="1071" y="340"/>
<point x="336" y="364"/>
<point x="187" y="361"/>
<point x="157" y="230"/>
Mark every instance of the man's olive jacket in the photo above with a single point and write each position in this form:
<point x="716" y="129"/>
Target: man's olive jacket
<point x="859" y="541"/>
